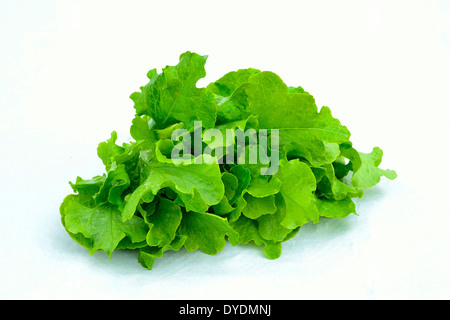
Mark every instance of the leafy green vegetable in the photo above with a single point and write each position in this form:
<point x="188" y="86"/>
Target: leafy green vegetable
<point x="173" y="96"/>
<point x="101" y="225"/>
<point x="150" y="200"/>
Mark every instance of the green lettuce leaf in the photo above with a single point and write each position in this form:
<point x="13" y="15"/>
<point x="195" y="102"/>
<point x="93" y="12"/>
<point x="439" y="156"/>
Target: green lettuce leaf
<point x="304" y="132"/>
<point x="116" y="182"/>
<point x="256" y="207"/>
<point x="248" y="232"/>
<point x="172" y="96"/>
<point x="147" y="255"/>
<point x="163" y="223"/>
<point x="369" y="174"/>
<point x="206" y="232"/>
<point x="229" y="93"/>
<point x="101" y="226"/>
<point x="336" y="209"/>
<point x="198" y="185"/>
<point x="297" y="190"/>
<point x="270" y="226"/>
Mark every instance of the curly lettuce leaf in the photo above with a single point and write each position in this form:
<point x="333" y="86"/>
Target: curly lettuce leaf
<point x="147" y="255"/>
<point x="335" y="209"/>
<point x="248" y="232"/>
<point x="229" y="93"/>
<point x="198" y="185"/>
<point x="369" y="174"/>
<point x="270" y="226"/>
<point x="304" y="132"/>
<point x="206" y="232"/>
<point x="163" y="223"/>
<point x="172" y="96"/>
<point x="101" y="226"/>
<point x="116" y="182"/>
<point x="257" y="207"/>
<point x="297" y="189"/>
<point x="86" y="189"/>
<point x="331" y="187"/>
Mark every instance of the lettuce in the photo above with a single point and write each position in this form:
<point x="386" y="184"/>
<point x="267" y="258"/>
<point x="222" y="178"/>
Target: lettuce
<point x="159" y="193"/>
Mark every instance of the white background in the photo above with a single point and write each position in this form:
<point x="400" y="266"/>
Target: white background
<point x="67" y="69"/>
